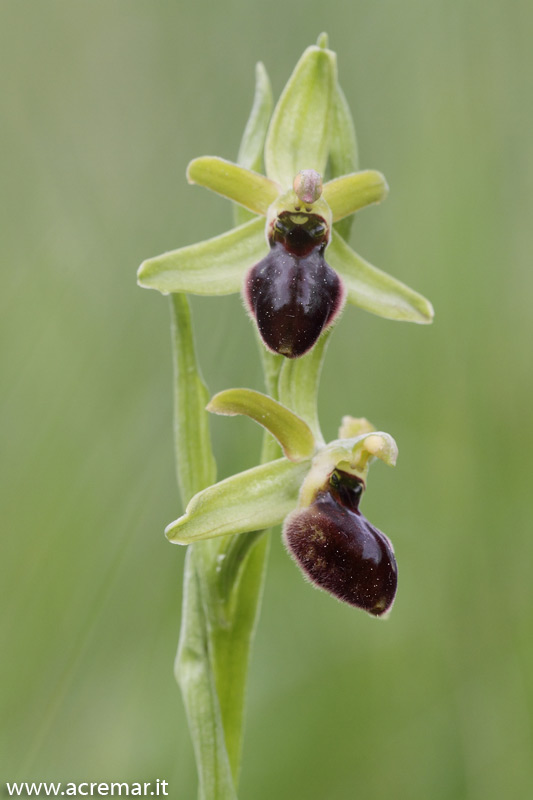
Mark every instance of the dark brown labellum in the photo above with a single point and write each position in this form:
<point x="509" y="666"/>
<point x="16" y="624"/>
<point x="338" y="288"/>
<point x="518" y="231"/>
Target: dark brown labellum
<point x="340" y="551"/>
<point x="293" y="294"/>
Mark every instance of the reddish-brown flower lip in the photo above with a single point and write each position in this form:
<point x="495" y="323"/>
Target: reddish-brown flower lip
<point x="292" y="293"/>
<point x="338" y="549"/>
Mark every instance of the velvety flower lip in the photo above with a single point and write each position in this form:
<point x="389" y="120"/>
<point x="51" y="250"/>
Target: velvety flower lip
<point x="315" y="492"/>
<point x="292" y="293"/>
<point x="339" y="551"/>
<point x="309" y="129"/>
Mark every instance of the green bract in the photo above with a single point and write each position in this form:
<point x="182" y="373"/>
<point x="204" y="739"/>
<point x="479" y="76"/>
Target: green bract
<point x="310" y="129"/>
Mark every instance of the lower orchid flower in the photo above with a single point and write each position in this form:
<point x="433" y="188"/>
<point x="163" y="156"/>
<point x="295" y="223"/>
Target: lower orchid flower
<point x="314" y="490"/>
<point x="290" y="258"/>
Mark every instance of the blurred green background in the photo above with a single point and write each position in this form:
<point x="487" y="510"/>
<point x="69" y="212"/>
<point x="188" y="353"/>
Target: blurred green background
<point x="104" y="104"/>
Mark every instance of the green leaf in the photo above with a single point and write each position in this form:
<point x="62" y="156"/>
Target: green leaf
<point x="349" y="193"/>
<point x="374" y="290"/>
<point x="293" y="434"/>
<point x="216" y="266"/>
<point x="250" y="189"/>
<point x="298" y="136"/>
<point x="194" y="455"/>
<point x="258" y="498"/>
<point x="253" y="140"/>
<point x="237" y="576"/>
<point x="194" y="668"/>
<point x="343" y="152"/>
<point x="194" y="675"/>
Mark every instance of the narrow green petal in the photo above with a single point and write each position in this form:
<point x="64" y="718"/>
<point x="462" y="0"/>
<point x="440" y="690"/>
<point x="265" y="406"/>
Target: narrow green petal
<point x="250" y="189"/>
<point x="343" y="151"/>
<point x="349" y="193"/>
<point x="253" y="139"/>
<point x="293" y="434"/>
<point x="258" y="498"/>
<point x="298" y="136"/>
<point x="216" y="266"/>
<point x="374" y="290"/>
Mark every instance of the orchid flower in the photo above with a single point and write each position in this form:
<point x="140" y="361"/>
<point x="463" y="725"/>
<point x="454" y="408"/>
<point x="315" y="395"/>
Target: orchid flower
<point x="290" y="257"/>
<point x="314" y="490"/>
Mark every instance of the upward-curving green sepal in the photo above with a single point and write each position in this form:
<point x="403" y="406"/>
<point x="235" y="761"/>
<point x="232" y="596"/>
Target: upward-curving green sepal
<point x="216" y="266"/>
<point x="252" y="500"/>
<point x="375" y="291"/>
<point x="250" y="189"/>
<point x="293" y="434"/>
<point x="298" y="136"/>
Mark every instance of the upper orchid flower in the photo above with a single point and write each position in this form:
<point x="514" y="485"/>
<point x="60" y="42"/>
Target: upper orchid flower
<point x="289" y="257"/>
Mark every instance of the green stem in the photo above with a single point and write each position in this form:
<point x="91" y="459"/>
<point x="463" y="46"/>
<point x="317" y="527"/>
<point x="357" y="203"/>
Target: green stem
<point x="224" y="577"/>
<point x="222" y="590"/>
<point x="196" y="469"/>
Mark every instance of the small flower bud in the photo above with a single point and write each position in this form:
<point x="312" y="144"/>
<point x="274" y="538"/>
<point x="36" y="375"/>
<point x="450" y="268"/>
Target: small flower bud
<point x="339" y="550"/>
<point x="308" y="186"/>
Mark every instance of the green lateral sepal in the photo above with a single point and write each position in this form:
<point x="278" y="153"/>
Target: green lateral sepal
<point x="376" y="291"/>
<point x="257" y="498"/>
<point x="216" y="266"/>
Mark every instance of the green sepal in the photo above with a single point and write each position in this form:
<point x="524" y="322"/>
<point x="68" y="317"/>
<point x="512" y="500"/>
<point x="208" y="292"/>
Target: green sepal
<point x="293" y="434"/>
<point x="349" y="193"/>
<point x="257" y="498"/>
<point x="253" y="139"/>
<point x="376" y="291"/>
<point x="298" y="136"/>
<point x="216" y="266"/>
<point x="250" y="189"/>
<point x="343" y="150"/>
